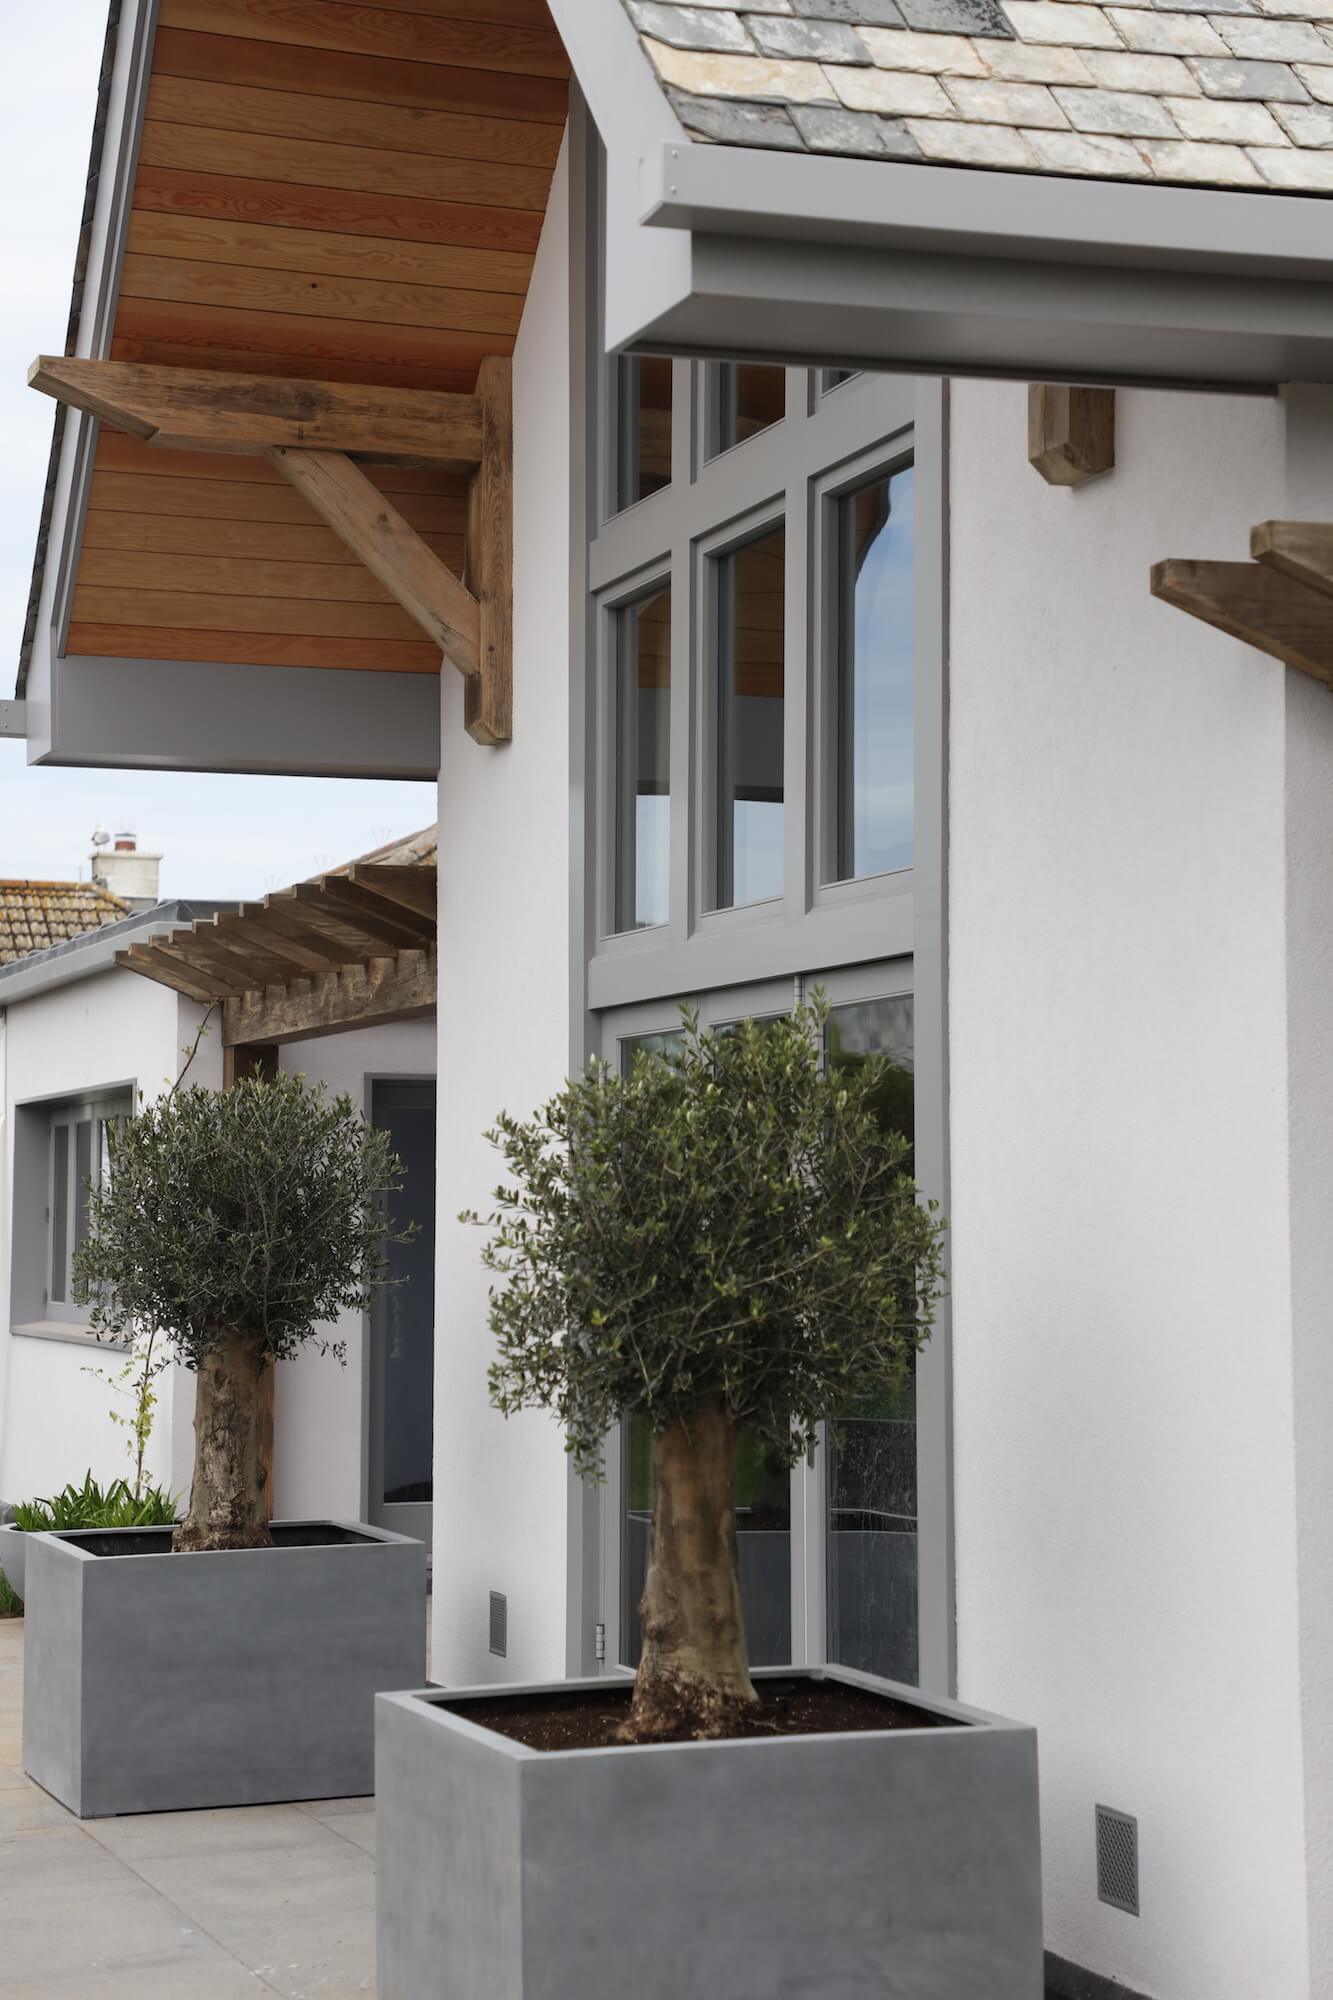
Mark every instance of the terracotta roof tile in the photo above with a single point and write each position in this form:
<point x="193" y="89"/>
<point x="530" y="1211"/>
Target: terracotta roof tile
<point x="35" y="915"/>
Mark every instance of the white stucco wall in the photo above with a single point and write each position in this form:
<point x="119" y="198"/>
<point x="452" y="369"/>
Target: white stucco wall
<point x="116" y="1028"/>
<point x="501" y="1488"/>
<point x="1123" y="1363"/>
<point x="111" y="1029"/>
<point x="319" y="1433"/>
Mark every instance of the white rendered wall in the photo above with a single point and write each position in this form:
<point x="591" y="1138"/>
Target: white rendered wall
<point x="501" y="1487"/>
<point x="319" y="1423"/>
<point x="1125" y="1480"/>
<point x="113" y="1028"/>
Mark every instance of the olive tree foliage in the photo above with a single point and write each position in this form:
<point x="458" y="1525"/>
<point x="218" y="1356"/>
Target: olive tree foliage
<point x="255" y="1214"/>
<point x="730" y="1221"/>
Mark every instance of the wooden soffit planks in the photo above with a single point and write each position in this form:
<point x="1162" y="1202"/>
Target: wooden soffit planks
<point x="1281" y="602"/>
<point x="328" y="195"/>
<point x="351" y="949"/>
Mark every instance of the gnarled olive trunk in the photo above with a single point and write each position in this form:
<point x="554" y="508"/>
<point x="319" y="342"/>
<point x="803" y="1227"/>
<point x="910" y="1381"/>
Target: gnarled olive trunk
<point x="228" y="1501"/>
<point x="694" y="1672"/>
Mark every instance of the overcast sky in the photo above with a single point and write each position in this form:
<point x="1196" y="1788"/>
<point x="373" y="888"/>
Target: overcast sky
<point x="219" y="836"/>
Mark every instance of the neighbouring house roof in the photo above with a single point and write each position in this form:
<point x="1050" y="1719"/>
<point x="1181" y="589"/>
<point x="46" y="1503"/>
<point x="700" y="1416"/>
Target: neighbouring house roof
<point x="81" y="957"/>
<point x="37" y="915"/>
<point x="1220" y="93"/>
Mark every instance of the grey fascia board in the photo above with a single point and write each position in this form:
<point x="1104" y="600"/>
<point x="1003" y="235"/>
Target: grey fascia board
<point x="13" y="718"/>
<point x="82" y="957"/>
<point x="188" y="715"/>
<point x="870" y="264"/>
<point x="963" y="211"/>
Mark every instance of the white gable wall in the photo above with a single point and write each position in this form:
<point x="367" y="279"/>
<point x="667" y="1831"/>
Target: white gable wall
<point x="1120" y="812"/>
<point x="501" y="1488"/>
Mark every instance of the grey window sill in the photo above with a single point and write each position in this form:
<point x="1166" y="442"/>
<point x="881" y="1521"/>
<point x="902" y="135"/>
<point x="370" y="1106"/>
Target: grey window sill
<point x="64" y="1330"/>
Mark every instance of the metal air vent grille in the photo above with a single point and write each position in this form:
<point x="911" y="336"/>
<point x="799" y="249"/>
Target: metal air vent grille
<point x="499" y="1623"/>
<point x="1118" y="1860"/>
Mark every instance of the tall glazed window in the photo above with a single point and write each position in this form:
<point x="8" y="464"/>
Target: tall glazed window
<point x="750" y="682"/>
<point x="642" y="710"/>
<point x="873" y="638"/>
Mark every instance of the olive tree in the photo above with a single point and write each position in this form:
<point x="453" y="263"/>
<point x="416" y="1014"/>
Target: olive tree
<point x="728" y="1236"/>
<point x="236" y="1223"/>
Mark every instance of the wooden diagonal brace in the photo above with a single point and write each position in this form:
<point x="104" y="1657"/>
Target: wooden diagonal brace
<point x="488" y="713"/>
<point x="1257" y="604"/>
<point x="390" y="548"/>
<point x="197" y="409"/>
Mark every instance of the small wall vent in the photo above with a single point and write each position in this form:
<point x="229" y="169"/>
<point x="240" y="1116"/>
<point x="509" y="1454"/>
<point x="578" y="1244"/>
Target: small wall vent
<point x="1118" y="1860"/>
<point x="499" y="1623"/>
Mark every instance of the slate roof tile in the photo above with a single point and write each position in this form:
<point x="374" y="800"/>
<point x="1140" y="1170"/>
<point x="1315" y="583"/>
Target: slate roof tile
<point x="1227" y="93"/>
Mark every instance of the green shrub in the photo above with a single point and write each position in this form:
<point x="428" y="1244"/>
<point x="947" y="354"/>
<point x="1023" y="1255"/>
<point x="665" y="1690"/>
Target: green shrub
<point x="92" y="1506"/>
<point x="11" y="1604"/>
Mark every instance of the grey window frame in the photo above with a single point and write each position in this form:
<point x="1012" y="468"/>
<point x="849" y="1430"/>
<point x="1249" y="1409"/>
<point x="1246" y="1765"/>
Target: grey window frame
<point x="36" y="1203"/>
<point x="841" y="933"/>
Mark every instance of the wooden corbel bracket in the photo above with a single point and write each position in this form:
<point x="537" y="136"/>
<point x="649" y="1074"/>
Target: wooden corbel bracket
<point x="308" y="431"/>
<point x="1281" y="603"/>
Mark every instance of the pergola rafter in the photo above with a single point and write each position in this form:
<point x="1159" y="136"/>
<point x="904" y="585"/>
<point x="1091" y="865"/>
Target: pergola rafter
<point x="1281" y="602"/>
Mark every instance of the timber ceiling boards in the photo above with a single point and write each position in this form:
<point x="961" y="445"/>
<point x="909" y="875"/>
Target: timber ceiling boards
<point x="327" y="191"/>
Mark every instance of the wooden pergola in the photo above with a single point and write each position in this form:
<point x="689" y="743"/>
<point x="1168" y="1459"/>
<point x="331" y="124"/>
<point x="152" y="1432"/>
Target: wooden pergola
<point x="355" y="948"/>
<point x="1280" y="602"/>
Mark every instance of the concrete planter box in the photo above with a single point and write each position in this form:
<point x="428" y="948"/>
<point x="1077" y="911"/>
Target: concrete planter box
<point x="158" y="1681"/>
<point x="12" y="1553"/>
<point x="903" y="1862"/>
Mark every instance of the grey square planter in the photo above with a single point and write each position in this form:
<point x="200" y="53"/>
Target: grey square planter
<point x="12" y="1553"/>
<point x="156" y="1681"/>
<point x="904" y="1863"/>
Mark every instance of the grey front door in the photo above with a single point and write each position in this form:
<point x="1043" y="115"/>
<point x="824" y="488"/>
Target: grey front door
<point x="402" y="1324"/>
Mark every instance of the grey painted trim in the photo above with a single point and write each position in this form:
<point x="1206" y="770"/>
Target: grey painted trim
<point x="960" y="211"/>
<point x="67" y="1333"/>
<point x="371" y="1469"/>
<point x="180" y="715"/>
<point x="13" y="718"/>
<point x="584" y="1502"/>
<point x="943" y="270"/>
<point x="83" y="957"/>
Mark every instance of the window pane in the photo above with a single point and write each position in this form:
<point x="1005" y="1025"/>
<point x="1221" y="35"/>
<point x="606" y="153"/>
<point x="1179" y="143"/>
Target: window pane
<point x="874" y="678"/>
<point x="747" y="398"/>
<point x="59" y="1211"/>
<point x="643" y="762"/>
<point x="833" y="378"/>
<point x="751" y="584"/>
<point x="83" y="1167"/>
<point x="643" y="427"/>
<point x="871" y="1548"/>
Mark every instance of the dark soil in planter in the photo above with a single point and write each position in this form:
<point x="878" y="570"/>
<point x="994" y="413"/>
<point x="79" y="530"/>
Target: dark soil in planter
<point x="157" y="1541"/>
<point x="786" y="1708"/>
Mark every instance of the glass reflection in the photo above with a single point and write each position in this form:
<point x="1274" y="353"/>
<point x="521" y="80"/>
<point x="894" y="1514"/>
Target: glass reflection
<point x="748" y="397"/>
<point x="874" y="776"/>
<point x="643" y="762"/>
<point x="871" y="1541"/>
<point x="642" y="428"/>
<point x="751" y="584"/>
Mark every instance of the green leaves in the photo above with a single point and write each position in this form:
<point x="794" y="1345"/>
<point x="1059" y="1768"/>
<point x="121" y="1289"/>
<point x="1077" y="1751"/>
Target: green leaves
<point x="256" y="1211"/>
<point x="90" y="1506"/>
<point x="728" y="1219"/>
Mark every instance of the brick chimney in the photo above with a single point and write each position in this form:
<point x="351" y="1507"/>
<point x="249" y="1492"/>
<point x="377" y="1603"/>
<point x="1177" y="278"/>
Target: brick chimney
<point x="119" y="867"/>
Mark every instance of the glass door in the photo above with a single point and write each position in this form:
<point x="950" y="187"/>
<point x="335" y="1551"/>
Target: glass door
<point x="828" y="1552"/>
<point x="402" y="1321"/>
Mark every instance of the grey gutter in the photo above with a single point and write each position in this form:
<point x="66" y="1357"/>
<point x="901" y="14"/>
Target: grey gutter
<point x="967" y="211"/>
<point x="71" y="339"/>
<point x="95" y="951"/>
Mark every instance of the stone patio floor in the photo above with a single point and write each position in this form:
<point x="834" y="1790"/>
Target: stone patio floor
<point x="177" y="1906"/>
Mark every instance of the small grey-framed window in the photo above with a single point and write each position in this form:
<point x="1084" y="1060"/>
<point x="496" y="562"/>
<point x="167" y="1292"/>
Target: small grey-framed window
<point x="641" y="735"/>
<point x="833" y="378"/>
<point x="745" y="602"/>
<point x="80" y="1138"/>
<point x="741" y="399"/>
<point x="640" y="397"/>
<point x="869" y="587"/>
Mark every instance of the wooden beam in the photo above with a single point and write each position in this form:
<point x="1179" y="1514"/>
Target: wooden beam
<point x="1071" y="433"/>
<point x="168" y="970"/>
<point x="373" y="995"/>
<point x="488" y="702"/>
<point x="1302" y="550"/>
<point x="249" y="960"/>
<point x="316" y="945"/>
<point x="400" y="926"/>
<point x="304" y="956"/>
<point x="373" y="529"/>
<point x="198" y="409"/>
<point x="415" y="888"/>
<point x="1256" y="604"/>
